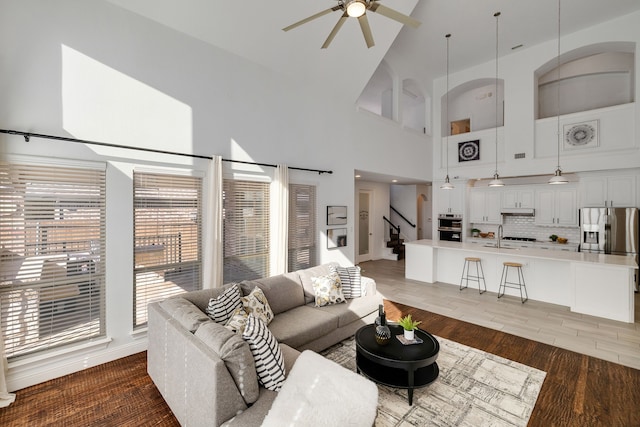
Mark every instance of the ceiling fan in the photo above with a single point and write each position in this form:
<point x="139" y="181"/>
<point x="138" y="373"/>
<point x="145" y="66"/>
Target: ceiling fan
<point x="357" y="9"/>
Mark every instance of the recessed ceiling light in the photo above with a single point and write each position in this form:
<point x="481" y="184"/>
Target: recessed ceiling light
<point x="394" y="180"/>
<point x="357" y="176"/>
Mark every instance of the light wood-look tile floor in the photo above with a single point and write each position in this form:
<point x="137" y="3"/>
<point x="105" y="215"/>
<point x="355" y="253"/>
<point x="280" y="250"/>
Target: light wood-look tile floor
<point x="613" y="341"/>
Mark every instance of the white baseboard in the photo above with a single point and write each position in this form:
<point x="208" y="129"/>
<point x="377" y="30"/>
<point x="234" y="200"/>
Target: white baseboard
<point x="29" y="373"/>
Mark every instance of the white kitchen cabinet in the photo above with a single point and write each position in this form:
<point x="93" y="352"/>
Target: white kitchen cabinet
<point x="518" y="198"/>
<point x="557" y="206"/>
<point x="484" y="206"/>
<point x="450" y="201"/>
<point x="608" y="191"/>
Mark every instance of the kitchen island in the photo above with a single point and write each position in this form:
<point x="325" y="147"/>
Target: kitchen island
<point x="594" y="284"/>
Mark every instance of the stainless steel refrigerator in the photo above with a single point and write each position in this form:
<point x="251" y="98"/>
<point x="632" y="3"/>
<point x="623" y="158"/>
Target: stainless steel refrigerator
<point x="610" y="231"/>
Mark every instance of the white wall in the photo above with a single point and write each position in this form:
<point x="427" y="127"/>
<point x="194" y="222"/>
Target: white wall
<point x="538" y="140"/>
<point x="91" y="70"/>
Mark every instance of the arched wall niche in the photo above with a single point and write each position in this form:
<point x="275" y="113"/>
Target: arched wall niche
<point x="400" y="100"/>
<point x="474" y="100"/>
<point x="590" y="77"/>
<point x="413" y="106"/>
<point x="377" y="96"/>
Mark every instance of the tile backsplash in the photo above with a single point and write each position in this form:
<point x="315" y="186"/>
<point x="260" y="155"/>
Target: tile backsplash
<point x="524" y="226"/>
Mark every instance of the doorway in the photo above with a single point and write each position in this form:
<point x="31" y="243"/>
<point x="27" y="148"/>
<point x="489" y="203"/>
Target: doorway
<point x="364" y="226"/>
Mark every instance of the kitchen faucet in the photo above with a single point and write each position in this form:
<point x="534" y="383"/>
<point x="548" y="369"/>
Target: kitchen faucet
<point x="499" y="234"/>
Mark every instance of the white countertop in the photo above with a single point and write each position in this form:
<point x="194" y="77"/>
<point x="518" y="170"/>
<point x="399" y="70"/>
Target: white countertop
<point x="601" y="259"/>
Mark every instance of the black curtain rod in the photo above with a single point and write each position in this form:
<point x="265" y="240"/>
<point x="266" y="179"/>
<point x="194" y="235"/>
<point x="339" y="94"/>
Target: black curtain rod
<point x="28" y="135"/>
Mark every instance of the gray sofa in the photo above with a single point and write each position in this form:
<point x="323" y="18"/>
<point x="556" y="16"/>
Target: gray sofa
<point x="206" y="373"/>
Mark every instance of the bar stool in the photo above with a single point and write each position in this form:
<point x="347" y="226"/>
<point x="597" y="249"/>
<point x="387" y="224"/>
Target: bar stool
<point x="504" y="283"/>
<point x="479" y="274"/>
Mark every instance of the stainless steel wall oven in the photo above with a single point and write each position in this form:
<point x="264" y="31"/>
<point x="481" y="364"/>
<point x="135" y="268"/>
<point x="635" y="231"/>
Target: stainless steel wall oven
<point x="450" y="227"/>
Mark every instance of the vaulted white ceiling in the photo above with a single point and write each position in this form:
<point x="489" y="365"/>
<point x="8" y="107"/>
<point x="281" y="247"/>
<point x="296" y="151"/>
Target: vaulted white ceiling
<point x="253" y="30"/>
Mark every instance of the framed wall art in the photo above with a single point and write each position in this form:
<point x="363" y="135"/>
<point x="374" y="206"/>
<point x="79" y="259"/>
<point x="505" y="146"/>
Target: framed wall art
<point x="336" y="238"/>
<point x="468" y="150"/>
<point x="581" y="135"/>
<point x="336" y="215"/>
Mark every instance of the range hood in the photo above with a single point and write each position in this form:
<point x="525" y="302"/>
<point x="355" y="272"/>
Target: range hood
<point x="518" y="212"/>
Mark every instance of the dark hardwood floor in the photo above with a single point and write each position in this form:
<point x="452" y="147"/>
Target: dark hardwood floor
<point x="578" y="390"/>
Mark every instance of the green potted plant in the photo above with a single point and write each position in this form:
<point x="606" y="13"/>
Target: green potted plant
<point x="475" y="232"/>
<point x="409" y="325"/>
<point x="553" y="237"/>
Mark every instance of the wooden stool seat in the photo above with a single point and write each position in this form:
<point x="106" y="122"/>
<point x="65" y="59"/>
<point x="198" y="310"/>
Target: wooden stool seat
<point x="504" y="283"/>
<point x="474" y="278"/>
<point x="512" y="264"/>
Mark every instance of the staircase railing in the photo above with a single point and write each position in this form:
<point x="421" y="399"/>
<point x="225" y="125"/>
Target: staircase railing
<point x="395" y="227"/>
<point x="402" y="216"/>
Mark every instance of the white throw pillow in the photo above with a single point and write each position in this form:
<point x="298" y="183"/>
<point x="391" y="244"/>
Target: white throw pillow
<point x="220" y="309"/>
<point x="256" y="303"/>
<point x="328" y="290"/>
<point x="266" y="353"/>
<point x="350" y="280"/>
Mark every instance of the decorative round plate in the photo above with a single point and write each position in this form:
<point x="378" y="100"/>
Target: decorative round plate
<point x="469" y="151"/>
<point x="580" y="135"/>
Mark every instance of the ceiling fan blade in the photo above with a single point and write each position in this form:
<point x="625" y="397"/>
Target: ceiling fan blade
<point x="335" y="30"/>
<point x="366" y="30"/>
<point x="394" y="14"/>
<point x="311" y="18"/>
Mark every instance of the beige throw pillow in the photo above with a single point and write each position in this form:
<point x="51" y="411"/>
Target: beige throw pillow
<point x="256" y="304"/>
<point x="328" y="290"/>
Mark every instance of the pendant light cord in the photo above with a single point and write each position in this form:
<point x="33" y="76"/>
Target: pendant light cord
<point x="558" y="87"/>
<point x="448" y="125"/>
<point x="497" y="14"/>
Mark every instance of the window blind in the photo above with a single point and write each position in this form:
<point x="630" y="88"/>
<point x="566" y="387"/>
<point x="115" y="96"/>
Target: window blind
<point x="52" y="256"/>
<point x="167" y="238"/>
<point x="245" y="230"/>
<point x="302" y="226"/>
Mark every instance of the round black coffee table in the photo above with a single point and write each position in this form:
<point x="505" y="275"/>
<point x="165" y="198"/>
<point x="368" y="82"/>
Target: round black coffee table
<point x="397" y="365"/>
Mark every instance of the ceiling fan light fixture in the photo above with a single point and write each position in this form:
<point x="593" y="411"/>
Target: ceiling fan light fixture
<point x="356" y="8"/>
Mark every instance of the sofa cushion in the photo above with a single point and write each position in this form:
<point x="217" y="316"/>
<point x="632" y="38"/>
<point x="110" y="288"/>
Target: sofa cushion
<point x="221" y="308"/>
<point x="303" y="324"/>
<point x="283" y="291"/>
<point x="307" y="282"/>
<point x="187" y="314"/>
<point x="236" y="355"/>
<point x="201" y="298"/>
<point x="266" y="353"/>
<point x="328" y="290"/>
<point x="353" y="310"/>
<point x="339" y="396"/>
<point x="350" y="279"/>
<point x="238" y="321"/>
<point x="256" y="304"/>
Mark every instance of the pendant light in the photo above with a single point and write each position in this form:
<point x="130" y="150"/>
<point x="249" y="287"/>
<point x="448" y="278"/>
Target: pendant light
<point x="447" y="185"/>
<point x="496" y="181"/>
<point x="558" y="178"/>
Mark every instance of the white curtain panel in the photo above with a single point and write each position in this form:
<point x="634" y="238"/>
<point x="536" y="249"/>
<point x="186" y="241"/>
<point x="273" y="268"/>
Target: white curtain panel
<point x="213" y="251"/>
<point x="6" y="398"/>
<point x="280" y="221"/>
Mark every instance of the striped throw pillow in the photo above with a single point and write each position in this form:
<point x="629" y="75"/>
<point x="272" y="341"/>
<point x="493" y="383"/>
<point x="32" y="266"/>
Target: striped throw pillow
<point x="350" y="279"/>
<point x="266" y="353"/>
<point x="221" y="309"/>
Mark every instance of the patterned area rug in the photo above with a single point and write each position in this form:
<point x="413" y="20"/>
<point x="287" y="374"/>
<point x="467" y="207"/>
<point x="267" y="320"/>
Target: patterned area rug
<point x="474" y="388"/>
